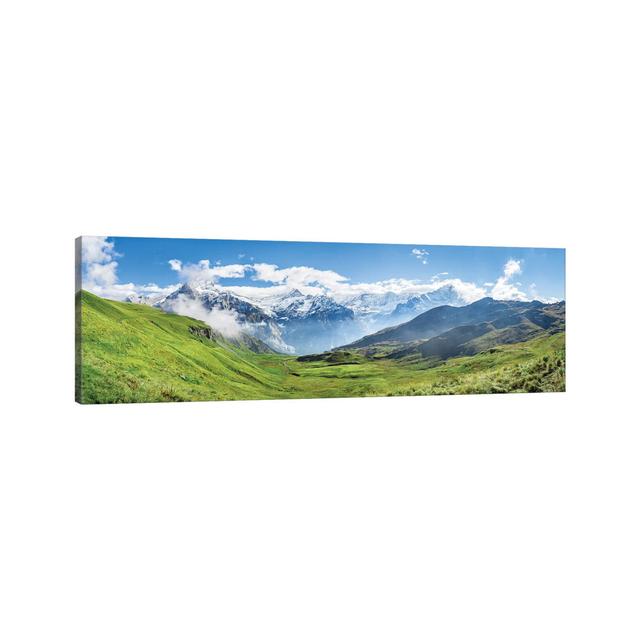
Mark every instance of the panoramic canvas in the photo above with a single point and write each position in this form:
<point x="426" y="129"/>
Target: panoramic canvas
<point x="168" y="320"/>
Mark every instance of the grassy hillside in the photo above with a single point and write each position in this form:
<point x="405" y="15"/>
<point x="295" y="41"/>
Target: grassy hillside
<point x="534" y="366"/>
<point x="134" y="353"/>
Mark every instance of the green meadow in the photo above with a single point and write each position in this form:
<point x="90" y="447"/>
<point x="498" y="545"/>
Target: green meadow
<point x="136" y="353"/>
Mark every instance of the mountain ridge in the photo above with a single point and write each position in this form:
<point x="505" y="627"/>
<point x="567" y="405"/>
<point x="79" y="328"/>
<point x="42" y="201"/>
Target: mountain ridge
<point x="300" y="323"/>
<point x="484" y="313"/>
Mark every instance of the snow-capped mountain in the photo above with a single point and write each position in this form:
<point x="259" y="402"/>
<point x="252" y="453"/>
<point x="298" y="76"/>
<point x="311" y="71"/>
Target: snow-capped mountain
<point x="296" y="322"/>
<point x="313" y="322"/>
<point x="135" y="298"/>
<point x="365" y="304"/>
<point x="213" y="297"/>
<point x="203" y="300"/>
<point x="295" y="306"/>
<point x="390" y="307"/>
<point x="419" y="303"/>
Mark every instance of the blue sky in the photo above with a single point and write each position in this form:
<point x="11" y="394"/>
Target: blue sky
<point x="140" y="262"/>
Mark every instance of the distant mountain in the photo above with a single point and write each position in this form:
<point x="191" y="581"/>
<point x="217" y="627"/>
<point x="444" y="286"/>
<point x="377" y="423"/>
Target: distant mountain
<point x="420" y="303"/>
<point x="373" y="304"/>
<point x="314" y="322"/>
<point x="390" y="307"/>
<point x="297" y="306"/>
<point x="135" y="298"/>
<point x="446" y="329"/>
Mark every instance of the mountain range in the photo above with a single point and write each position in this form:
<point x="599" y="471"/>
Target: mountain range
<point x="301" y="323"/>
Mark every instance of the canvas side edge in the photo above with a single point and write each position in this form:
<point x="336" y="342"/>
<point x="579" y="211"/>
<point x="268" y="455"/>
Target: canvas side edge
<point x="78" y="319"/>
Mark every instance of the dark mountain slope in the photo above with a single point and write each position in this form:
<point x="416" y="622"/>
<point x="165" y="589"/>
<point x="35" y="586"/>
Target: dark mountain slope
<point x="446" y="345"/>
<point x="241" y="340"/>
<point x="500" y="314"/>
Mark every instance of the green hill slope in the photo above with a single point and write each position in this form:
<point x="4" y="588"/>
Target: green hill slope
<point x="135" y="353"/>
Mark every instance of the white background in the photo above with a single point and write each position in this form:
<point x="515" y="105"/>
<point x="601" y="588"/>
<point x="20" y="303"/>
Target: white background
<point x="506" y="123"/>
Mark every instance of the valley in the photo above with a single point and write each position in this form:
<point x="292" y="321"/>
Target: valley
<point x="140" y="353"/>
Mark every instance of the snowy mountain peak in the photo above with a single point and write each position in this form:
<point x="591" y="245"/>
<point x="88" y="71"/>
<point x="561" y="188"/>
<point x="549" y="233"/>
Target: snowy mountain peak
<point x="214" y="305"/>
<point x="419" y="303"/>
<point x="296" y="305"/>
<point x="199" y="287"/>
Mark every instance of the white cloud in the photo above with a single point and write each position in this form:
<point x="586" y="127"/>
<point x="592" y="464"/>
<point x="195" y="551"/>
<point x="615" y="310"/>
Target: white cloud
<point x="223" y="320"/>
<point x="511" y="268"/>
<point x="230" y="271"/>
<point x="262" y="293"/>
<point x="98" y="265"/>
<point x="468" y="291"/>
<point x="202" y="271"/>
<point x="96" y="249"/>
<point x="122" y="291"/>
<point x="503" y="289"/>
<point x="298" y="277"/>
<point x="420" y="254"/>
<point x="99" y="272"/>
<point x="535" y="295"/>
<point x="103" y="275"/>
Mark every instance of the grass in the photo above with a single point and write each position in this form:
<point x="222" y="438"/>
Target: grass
<point x="135" y="353"/>
<point x="534" y="374"/>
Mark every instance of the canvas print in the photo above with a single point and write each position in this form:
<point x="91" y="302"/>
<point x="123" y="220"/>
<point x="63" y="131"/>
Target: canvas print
<point x="168" y="320"/>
